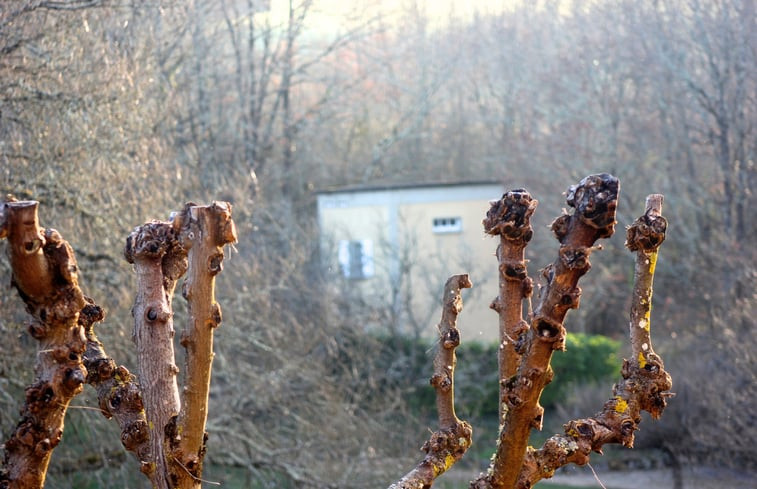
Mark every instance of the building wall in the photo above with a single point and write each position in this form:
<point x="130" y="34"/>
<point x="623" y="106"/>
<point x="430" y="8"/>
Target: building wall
<point x="410" y="261"/>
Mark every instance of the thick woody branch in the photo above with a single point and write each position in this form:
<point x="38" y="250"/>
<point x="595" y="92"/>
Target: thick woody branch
<point x="645" y="385"/>
<point x="118" y="392"/>
<point x="159" y="261"/>
<point x="46" y="275"/>
<point x="447" y="445"/>
<point x="510" y="219"/>
<point x="594" y="200"/>
<point x="203" y="231"/>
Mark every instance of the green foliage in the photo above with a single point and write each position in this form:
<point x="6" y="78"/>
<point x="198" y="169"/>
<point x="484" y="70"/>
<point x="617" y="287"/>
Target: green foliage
<point x="476" y="376"/>
<point x="588" y="359"/>
<point x="477" y="379"/>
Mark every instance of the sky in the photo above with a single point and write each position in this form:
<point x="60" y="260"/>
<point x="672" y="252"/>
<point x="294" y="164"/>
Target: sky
<point x="329" y="15"/>
<point x="436" y="8"/>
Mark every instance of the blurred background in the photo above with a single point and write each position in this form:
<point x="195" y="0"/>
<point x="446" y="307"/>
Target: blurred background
<point x="114" y="112"/>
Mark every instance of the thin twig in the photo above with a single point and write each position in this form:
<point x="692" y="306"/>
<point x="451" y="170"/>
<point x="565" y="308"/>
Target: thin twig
<point x="596" y="476"/>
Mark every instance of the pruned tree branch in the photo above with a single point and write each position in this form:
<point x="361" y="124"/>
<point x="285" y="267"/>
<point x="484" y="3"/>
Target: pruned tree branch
<point x="203" y="231"/>
<point x="526" y="347"/>
<point x="510" y="219"/>
<point x="645" y="385"/>
<point x="45" y="273"/>
<point x="159" y="260"/>
<point x="594" y="200"/>
<point x="167" y="432"/>
<point x="448" y="444"/>
<point x="644" y="238"/>
<point x="46" y="277"/>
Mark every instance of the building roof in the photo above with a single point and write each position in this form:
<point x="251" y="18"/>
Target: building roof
<point x="403" y="186"/>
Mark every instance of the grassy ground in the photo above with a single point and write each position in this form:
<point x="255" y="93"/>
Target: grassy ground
<point x="545" y="485"/>
<point x="455" y="481"/>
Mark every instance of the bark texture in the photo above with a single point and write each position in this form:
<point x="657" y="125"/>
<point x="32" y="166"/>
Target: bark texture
<point x="158" y="261"/>
<point x="166" y="430"/>
<point x="46" y="277"/>
<point x="203" y="231"/>
<point x="510" y="219"/>
<point x="527" y="345"/>
<point x="169" y="442"/>
<point x="448" y="444"/>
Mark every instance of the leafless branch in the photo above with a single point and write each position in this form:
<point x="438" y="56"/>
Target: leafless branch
<point x="645" y="385"/>
<point x="447" y="445"/>
<point x="46" y="277"/>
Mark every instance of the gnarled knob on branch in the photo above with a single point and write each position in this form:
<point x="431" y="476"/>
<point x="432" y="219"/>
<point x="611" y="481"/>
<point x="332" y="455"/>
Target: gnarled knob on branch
<point x="648" y="231"/>
<point x="511" y="216"/>
<point x="150" y="240"/>
<point x="595" y="199"/>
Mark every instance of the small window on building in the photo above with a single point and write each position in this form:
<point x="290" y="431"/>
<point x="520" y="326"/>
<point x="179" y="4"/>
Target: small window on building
<point x="356" y="258"/>
<point x="447" y="225"/>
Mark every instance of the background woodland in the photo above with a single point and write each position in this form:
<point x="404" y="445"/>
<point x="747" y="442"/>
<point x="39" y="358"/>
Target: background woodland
<point x="111" y="111"/>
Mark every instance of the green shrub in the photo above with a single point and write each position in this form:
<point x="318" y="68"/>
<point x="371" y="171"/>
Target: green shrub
<point x="588" y="359"/>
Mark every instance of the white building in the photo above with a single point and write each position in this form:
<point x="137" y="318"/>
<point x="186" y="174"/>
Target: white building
<point x="397" y="245"/>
